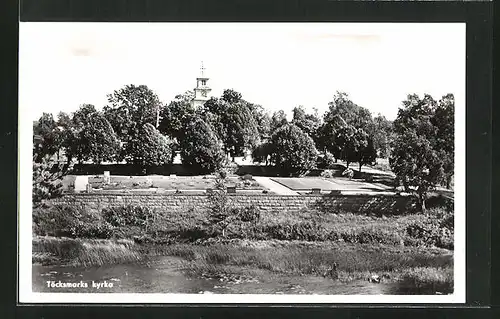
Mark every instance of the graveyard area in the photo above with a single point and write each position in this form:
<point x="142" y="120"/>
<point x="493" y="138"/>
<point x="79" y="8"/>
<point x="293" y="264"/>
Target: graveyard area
<point x="320" y="184"/>
<point x="188" y="183"/>
<point x="203" y="183"/>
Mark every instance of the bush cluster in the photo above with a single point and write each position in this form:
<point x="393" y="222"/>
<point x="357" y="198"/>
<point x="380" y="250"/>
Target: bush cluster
<point x="69" y="221"/>
<point x="429" y="234"/>
<point x="248" y="214"/>
<point x="326" y="161"/>
<point x="128" y="216"/>
<point x="437" y="230"/>
<point x="296" y="231"/>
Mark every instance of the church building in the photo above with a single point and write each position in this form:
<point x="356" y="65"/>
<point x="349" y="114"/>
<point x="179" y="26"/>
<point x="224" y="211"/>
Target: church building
<point x="202" y="91"/>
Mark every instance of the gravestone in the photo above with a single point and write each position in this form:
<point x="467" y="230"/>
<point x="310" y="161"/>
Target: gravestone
<point x="107" y="177"/>
<point x="316" y="191"/>
<point x="81" y="183"/>
<point x="231" y="189"/>
<point x="247" y="177"/>
<point x="89" y="188"/>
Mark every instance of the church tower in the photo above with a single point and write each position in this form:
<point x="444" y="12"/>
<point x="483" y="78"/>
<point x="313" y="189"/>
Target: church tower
<point x="202" y="91"/>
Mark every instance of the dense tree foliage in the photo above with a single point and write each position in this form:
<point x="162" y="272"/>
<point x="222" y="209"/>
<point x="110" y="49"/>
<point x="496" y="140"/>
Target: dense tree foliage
<point x="355" y="145"/>
<point x="136" y="127"/>
<point x="382" y="133"/>
<point x="47" y="183"/>
<point x="130" y="108"/>
<point x="263" y="121"/>
<point x="148" y="147"/>
<point x="293" y="149"/>
<point x="278" y="119"/>
<point x="200" y="147"/>
<point x="308" y="123"/>
<point x="342" y="111"/>
<point x="46" y="137"/>
<point x="444" y="120"/>
<point x="262" y="152"/>
<point x="419" y="157"/>
<point x="95" y="139"/>
<point x="234" y="121"/>
<point x="176" y="115"/>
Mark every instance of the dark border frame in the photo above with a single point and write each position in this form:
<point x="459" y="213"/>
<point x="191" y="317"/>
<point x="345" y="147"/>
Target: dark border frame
<point x="477" y="15"/>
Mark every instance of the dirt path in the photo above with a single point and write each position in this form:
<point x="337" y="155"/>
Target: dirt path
<point x="273" y="186"/>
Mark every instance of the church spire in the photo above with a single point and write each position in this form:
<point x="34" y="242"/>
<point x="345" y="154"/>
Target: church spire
<point x="202" y="69"/>
<point x="202" y="90"/>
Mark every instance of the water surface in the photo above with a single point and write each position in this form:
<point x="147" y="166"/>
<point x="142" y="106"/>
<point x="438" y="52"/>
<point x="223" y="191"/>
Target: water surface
<point x="163" y="275"/>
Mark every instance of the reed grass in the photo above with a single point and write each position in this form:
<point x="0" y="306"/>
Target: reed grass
<point x="84" y="252"/>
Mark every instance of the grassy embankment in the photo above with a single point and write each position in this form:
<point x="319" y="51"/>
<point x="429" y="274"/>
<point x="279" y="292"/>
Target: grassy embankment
<point x="415" y="248"/>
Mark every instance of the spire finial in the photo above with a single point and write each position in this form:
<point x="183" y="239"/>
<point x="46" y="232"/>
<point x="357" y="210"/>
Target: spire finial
<point x="202" y="68"/>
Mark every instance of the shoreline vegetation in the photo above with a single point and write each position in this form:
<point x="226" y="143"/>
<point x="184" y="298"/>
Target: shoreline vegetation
<point x="415" y="249"/>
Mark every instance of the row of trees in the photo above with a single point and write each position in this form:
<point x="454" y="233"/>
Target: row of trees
<point x="135" y="127"/>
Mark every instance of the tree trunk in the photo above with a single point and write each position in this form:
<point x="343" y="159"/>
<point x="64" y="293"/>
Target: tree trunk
<point x="406" y="187"/>
<point x="347" y="164"/>
<point x="422" y="202"/>
<point x="360" y="166"/>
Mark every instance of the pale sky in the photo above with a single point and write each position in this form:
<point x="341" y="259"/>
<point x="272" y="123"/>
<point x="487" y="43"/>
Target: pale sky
<point x="276" y="65"/>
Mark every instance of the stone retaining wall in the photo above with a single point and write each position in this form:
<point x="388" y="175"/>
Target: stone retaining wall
<point x="377" y="204"/>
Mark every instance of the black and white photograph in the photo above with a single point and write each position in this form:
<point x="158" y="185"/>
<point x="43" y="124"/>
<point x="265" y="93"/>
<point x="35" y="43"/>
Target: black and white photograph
<point x="242" y="162"/>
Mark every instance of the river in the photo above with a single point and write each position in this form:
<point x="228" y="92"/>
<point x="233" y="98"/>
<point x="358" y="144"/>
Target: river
<point x="163" y="275"/>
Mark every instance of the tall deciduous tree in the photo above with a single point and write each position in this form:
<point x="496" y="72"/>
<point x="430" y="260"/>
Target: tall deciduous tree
<point x="234" y="122"/>
<point x="263" y="121"/>
<point x="278" y="120"/>
<point x="444" y="120"/>
<point x="352" y="114"/>
<point x="309" y="123"/>
<point x="95" y="139"/>
<point x="46" y="137"/>
<point x="293" y="150"/>
<point x="148" y="147"/>
<point x="382" y="133"/>
<point x="130" y="108"/>
<point x="352" y="143"/>
<point x="200" y="147"/>
<point x="176" y="115"/>
<point x="417" y="158"/>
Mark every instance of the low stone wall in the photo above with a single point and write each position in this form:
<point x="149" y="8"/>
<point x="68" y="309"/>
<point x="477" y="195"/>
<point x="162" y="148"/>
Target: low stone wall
<point x="376" y="204"/>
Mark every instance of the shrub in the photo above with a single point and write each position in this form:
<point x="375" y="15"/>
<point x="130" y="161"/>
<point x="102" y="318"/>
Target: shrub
<point x="326" y="161"/>
<point x="69" y="221"/>
<point x="430" y="233"/>
<point x="249" y="214"/>
<point x="46" y="183"/>
<point x="219" y="215"/>
<point x="128" y="215"/>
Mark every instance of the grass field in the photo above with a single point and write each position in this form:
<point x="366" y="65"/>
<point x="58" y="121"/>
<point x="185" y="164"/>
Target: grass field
<point x="336" y="183"/>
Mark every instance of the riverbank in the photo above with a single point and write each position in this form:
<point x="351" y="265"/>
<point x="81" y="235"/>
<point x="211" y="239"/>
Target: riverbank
<point x="413" y="249"/>
<point x="427" y="269"/>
